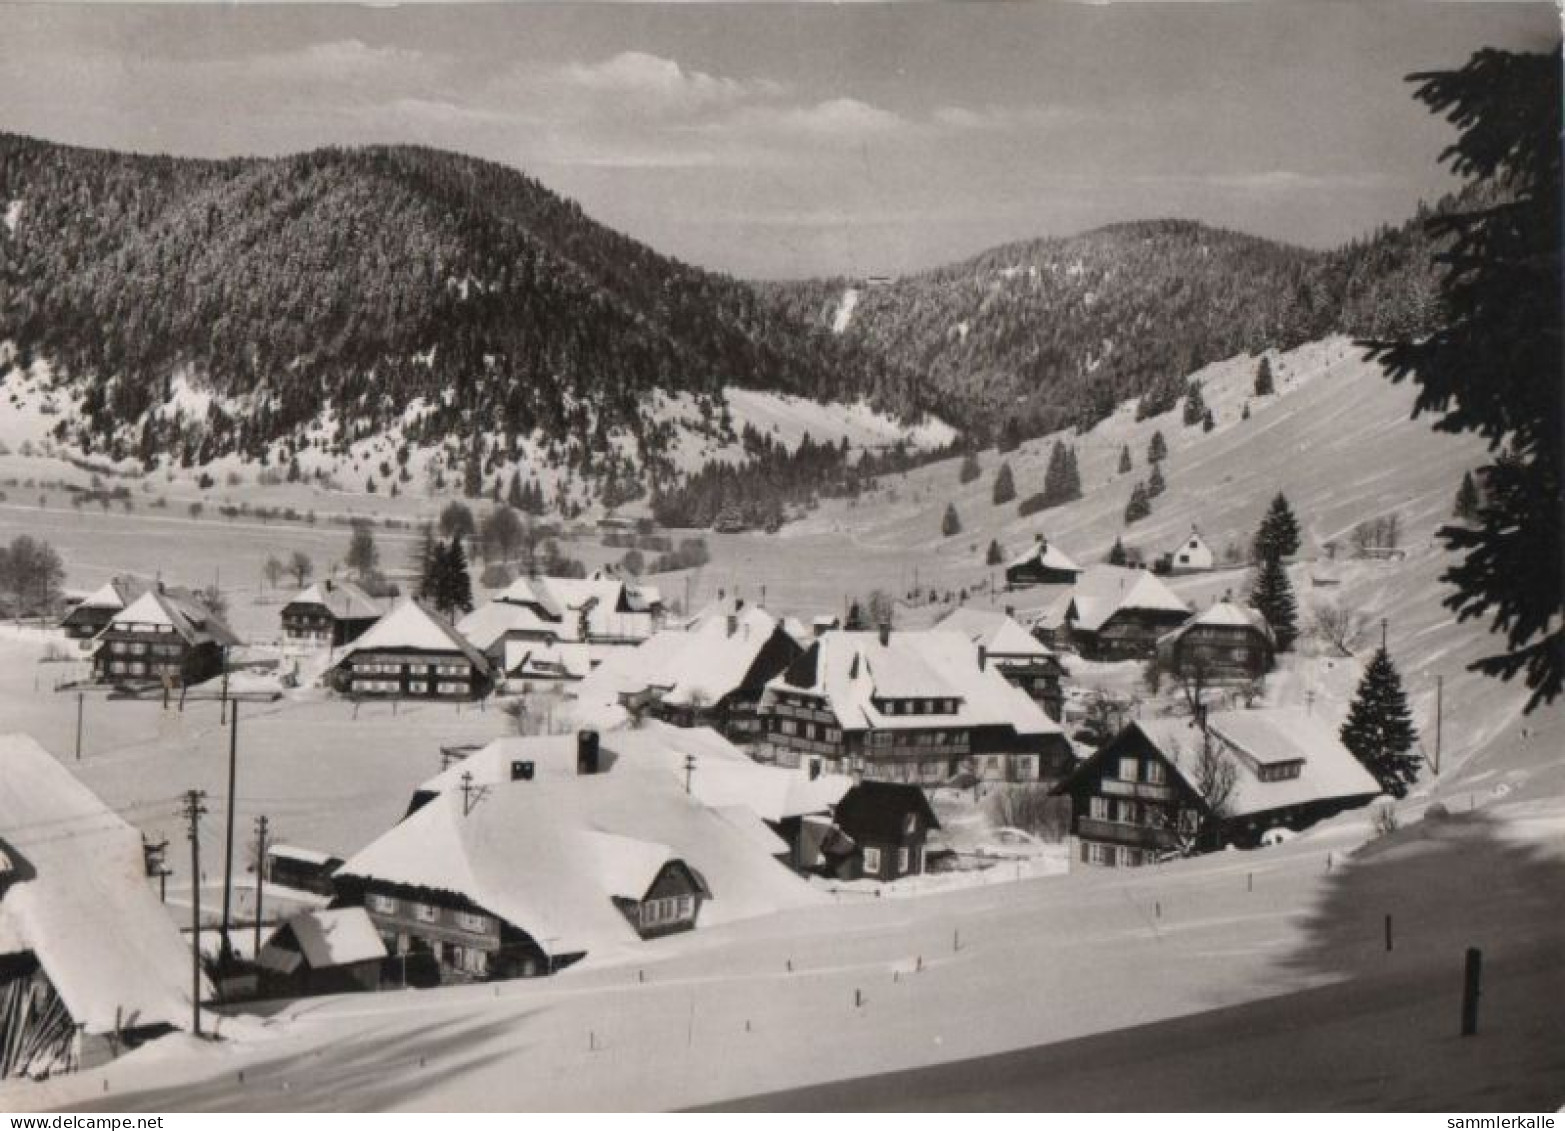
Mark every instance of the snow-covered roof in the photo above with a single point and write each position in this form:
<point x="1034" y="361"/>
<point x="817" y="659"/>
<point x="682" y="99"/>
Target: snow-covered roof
<point x="1103" y="590"/>
<point x="1268" y="736"/>
<point x="486" y="625"/>
<point x="303" y="855"/>
<point x="612" y="606"/>
<point x="412" y="626"/>
<point x="182" y="612"/>
<point x="1046" y="554"/>
<point x="724" y="775"/>
<point x="539" y="659"/>
<point x="703" y="661"/>
<point x="85" y="909"/>
<point x="343" y="599"/>
<point x="1222" y="614"/>
<point x="116" y="593"/>
<point x="996" y="631"/>
<point x="852" y="669"/>
<point x="549" y="855"/>
<point x="337" y="937"/>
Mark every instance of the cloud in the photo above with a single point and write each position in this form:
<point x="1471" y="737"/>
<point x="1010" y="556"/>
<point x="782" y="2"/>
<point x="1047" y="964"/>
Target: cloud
<point x="661" y="84"/>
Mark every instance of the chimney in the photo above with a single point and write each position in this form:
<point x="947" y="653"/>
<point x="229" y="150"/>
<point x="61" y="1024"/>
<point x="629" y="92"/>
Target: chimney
<point x="586" y="753"/>
<point x="1010" y="610"/>
<point x="815" y="768"/>
<point x="885" y="634"/>
<point x="733" y="623"/>
<point x="983" y="657"/>
<point x="521" y="771"/>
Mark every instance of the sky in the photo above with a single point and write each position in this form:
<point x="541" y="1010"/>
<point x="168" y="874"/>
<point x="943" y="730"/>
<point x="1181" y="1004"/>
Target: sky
<point x="787" y="140"/>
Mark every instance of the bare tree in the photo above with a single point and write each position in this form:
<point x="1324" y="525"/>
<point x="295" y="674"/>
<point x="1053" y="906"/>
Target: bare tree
<point x="1212" y="774"/>
<point x="274" y="570"/>
<point x="1193" y="678"/>
<point x="302" y="568"/>
<point x="1338" y="626"/>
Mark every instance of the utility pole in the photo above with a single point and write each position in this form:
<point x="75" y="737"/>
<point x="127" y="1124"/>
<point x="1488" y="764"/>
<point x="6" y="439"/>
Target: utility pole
<point x="227" y="952"/>
<point x="222" y="716"/>
<point x="468" y="791"/>
<point x="193" y="811"/>
<point x="690" y="769"/>
<point x="81" y="706"/>
<point x="1383" y="623"/>
<point x="261" y="844"/>
<point x="1439" y="697"/>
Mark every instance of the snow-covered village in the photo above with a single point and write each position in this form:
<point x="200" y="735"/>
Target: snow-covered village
<point x="695" y="630"/>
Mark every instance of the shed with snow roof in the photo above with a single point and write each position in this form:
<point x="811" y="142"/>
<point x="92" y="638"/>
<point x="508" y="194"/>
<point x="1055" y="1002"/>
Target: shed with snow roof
<point x="1043" y="563"/>
<point x="322" y="951"/>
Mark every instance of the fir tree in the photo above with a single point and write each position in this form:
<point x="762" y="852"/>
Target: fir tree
<point x="1278" y="535"/>
<point x="1264" y="385"/>
<point x="970" y="469"/>
<point x="1195" y="404"/>
<point x="1004" y="485"/>
<point x="473" y="473"/>
<point x="1467" y="499"/>
<point x="995" y="556"/>
<point x="425" y="562"/>
<point x="1379" y="728"/>
<point x="1158" y="449"/>
<point x="1207" y="423"/>
<point x="1271" y="594"/>
<point x="1124" y="460"/>
<point x="951" y="524"/>
<point x="1245" y="413"/>
<point x="1155" y="484"/>
<point x="514" y="496"/>
<point x="1139" y="506"/>
<point x="1117" y="555"/>
<point x="454" y="586"/>
<point x="362" y="556"/>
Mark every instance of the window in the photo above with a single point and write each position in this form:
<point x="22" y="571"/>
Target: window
<point x="1129" y="858"/>
<point x="426" y="912"/>
<point x="872" y="860"/>
<point x="1127" y="769"/>
<point x="380" y="904"/>
<point x="910" y="824"/>
<point x="1097" y="854"/>
<point x="1156" y="772"/>
<point x="470" y="921"/>
<point x="1098" y="808"/>
<point x="902" y="861"/>
<point x="418" y="687"/>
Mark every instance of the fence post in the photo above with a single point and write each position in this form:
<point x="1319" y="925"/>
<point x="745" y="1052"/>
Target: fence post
<point x="1388" y="932"/>
<point x="1471" y="979"/>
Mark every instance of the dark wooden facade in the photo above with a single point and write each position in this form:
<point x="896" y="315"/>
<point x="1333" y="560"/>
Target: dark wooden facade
<point x="737" y="714"/>
<point x="1217" y="652"/>
<point x="890" y="825"/>
<point x="671" y="903"/>
<point x="1127" y="634"/>
<point x="412" y="673"/>
<point x="1127" y="803"/>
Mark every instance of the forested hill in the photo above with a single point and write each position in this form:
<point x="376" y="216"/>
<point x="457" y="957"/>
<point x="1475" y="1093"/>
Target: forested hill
<point x="1048" y="332"/>
<point x="362" y="281"/>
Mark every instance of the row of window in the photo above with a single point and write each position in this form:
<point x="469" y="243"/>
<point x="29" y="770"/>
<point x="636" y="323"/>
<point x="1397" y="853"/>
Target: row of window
<point x="905" y="858"/>
<point x="1114" y="856"/>
<point x="157" y="629"/>
<point x="1122" y="812"/>
<point x="138" y="648"/>
<point x="1131" y="769"/>
<point x="425" y="912"/>
<point x="917" y="706"/>
<point x="672" y="909"/>
<point x="818" y="731"/>
<point x="141" y="667"/>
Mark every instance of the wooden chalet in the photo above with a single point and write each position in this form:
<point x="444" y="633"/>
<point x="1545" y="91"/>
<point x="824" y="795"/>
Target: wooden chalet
<point x="91" y="965"/>
<point x="1139" y="800"/>
<point x="1226" y="642"/>
<point x="600" y="609"/>
<point x="1041" y="564"/>
<point x="888" y="824"/>
<point x="708" y="672"/>
<point x="916" y="707"/>
<point x="412" y="653"/>
<point x="1019" y="655"/>
<point x="164" y="635"/>
<point x="1114" y="613"/>
<point x="92" y="614"/>
<point x="535" y="852"/>
<point x="329" y="614"/>
<point x="322" y="951"/>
